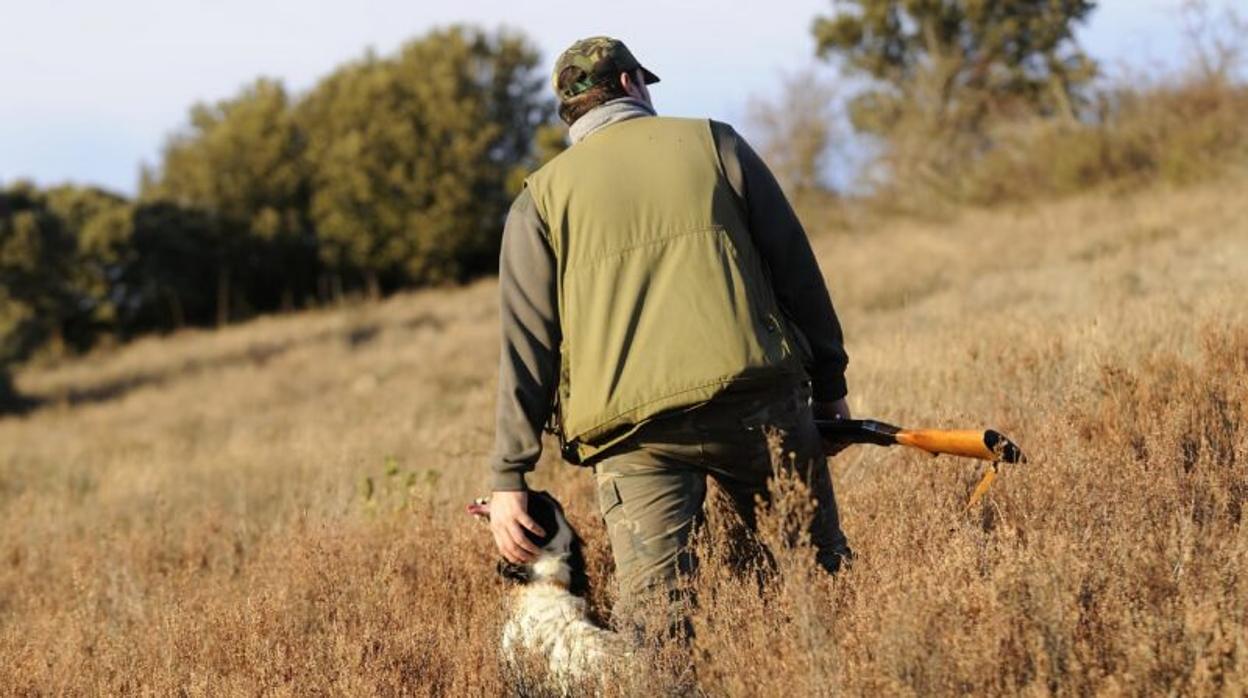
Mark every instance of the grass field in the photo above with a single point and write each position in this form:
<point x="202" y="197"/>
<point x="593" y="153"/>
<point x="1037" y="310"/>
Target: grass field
<point x="278" y="507"/>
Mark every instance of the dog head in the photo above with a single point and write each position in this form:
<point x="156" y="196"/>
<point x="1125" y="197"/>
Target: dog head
<point x="561" y="559"/>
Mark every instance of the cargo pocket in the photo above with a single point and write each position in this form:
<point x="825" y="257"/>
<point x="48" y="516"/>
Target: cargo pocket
<point x="608" y="495"/>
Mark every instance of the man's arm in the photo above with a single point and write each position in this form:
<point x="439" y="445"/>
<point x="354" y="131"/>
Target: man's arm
<point x="529" y="361"/>
<point x="527" y="373"/>
<point x="785" y="249"/>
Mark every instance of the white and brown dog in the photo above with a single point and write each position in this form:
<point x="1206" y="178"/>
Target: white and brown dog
<point x="547" y="617"/>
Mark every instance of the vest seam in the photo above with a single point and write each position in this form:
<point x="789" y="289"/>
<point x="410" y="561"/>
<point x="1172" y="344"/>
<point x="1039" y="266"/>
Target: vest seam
<point x="738" y="197"/>
<point x="544" y="228"/>
<point x="615" y="254"/>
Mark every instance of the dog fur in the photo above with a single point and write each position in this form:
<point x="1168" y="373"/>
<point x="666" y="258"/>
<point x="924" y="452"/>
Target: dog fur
<point x="548" y="621"/>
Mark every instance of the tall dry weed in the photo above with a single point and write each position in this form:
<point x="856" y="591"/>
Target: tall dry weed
<point x="277" y="508"/>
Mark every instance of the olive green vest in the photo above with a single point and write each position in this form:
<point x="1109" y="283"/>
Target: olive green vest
<point x="663" y="300"/>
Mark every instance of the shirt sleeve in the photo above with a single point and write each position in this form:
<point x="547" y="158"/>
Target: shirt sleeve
<point x="529" y="359"/>
<point x="795" y="277"/>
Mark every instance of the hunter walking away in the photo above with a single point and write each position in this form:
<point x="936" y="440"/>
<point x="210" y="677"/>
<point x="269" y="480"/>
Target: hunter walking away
<point x="282" y="295"/>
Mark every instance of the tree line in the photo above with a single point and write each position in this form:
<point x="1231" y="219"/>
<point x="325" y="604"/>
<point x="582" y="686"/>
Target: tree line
<point x="393" y="171"/>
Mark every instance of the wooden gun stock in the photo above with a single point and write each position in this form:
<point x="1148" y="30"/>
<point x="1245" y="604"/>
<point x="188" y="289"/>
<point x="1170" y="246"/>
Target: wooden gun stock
<point x="986" y="445"/>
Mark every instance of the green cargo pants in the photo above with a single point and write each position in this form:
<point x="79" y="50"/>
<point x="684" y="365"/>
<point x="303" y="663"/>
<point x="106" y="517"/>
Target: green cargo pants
<point x="652" y="486"/>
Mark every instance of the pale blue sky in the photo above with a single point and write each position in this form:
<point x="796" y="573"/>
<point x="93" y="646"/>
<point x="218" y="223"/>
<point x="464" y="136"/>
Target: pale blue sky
<point x="90" y="89"/>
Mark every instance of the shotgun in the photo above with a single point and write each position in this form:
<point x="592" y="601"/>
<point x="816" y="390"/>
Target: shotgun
<point x="989" y="445"/>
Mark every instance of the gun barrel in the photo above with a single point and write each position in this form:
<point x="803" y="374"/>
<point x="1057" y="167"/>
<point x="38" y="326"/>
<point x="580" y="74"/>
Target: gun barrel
<point x="858" y="431"/>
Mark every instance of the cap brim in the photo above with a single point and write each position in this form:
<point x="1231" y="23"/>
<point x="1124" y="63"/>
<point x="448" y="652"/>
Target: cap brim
<point x="650" y="77"/>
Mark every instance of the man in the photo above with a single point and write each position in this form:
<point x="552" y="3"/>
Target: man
<point x="661" y="302"/>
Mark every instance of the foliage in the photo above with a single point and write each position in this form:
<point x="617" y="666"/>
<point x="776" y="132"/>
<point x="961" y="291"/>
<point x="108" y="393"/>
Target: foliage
<point x="955" y="62"/>
<point x="36" y="255"/>
<point x="391" y="172"/>
<point x="174" y="275"/>
<point x="99" y="223"/>
<point x="78" y="265"/>
<point x="1177" y="133"/>
<point x="549" y="140"/>
<point x="412" y="155"/>
<point x="941" y="72"/>
<point x="241" y="164"/>
<point x="8" y="395"/>
<point x="397" y="489"/>
<point x="987" y="102"/>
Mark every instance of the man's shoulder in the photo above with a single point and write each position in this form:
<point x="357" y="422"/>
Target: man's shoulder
<point x="649" y="123"/>
<point x="537" y="176"/>
<point x="719" y="132"/>
<point x="522" y="203"/>
<point x="723" y="135"/>
<point x="667" y="127"/>
<point x="723" y="131"/>
<point x="693" y="122"/>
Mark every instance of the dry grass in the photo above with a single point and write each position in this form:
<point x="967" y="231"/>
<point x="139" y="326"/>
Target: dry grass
<point x="278" y="507"/>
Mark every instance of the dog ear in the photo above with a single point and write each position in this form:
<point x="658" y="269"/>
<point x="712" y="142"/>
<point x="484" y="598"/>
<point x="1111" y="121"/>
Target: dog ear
<point x="542" y="508"/>
<point x="513" y="572"/>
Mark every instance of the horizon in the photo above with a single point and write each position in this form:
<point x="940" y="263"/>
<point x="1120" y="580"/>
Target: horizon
<point x="100" y="127"/>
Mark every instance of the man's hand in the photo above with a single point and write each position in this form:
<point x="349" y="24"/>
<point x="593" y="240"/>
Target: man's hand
<point x="508" y="519"/>
<point x="832" y="410"/>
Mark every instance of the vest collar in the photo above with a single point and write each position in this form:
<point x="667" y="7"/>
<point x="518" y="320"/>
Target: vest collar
<point x="605" y="114"/>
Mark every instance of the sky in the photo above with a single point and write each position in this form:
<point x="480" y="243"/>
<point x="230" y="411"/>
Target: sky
<point x="90" y="89"/>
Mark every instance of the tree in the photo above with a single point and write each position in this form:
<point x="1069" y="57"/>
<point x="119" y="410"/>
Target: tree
<point x="36" y="297"/>
<point x="166" y="284"/>
<point x="958" y="60"/>
<point x="414" y="160"/>
<point x="412" y="155"/>
<point x="241" y="162"/>
<point x="133" y="266"/>
<point x="99" y="222"/>
<point x="8" y="394"/>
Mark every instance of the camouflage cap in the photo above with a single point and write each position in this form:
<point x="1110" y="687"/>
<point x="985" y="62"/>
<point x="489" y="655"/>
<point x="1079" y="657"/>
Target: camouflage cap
<point x="591" y="61"/>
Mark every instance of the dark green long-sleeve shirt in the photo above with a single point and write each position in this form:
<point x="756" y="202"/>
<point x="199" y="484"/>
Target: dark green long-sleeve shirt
<point x="529" y="363"/>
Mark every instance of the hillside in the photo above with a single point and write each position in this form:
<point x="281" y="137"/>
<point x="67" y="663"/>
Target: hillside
<point x="278" y="506"/>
